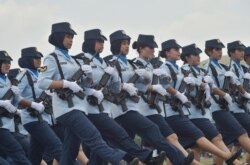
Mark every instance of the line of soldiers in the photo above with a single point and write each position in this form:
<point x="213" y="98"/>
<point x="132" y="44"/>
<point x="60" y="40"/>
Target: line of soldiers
<point x="100" y="104"/>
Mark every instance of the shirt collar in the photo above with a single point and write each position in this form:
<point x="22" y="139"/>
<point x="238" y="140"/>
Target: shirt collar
<point x="173" y="62"/>
<point x="3" y="76"/>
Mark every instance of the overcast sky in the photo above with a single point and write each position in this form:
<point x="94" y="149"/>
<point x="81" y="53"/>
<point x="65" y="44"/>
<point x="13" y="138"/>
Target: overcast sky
<point x="26" y="23"/>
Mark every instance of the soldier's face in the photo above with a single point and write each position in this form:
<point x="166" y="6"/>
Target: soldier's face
<point x="238" y="54"/>
<point x="216" y="53"/>
<point x="124" y="47"/>
<point x="173" y="54"/>
<point x="247" y="59"/>
<point x="147" y="52"/>
<point x="37" y="62"/>
<point x="99" y="45"/>
<point x="68" y="41"/>
<point x="195" y="59"/>
<point x="5" y="67"/>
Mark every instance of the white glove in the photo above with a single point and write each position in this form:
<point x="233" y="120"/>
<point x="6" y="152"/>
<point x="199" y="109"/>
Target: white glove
<point x="160" y="72"/>
<point x="38" y="106"/>
<point x="130" y="88"/>
<point x="99" y="95"/>
<point x="72" y="85"/>
<point x="228" y="98"/>
<point x="8" y="106"/>
<point x="111" y="71"/>
<point x="159" y="89"/>
<point x="15" y="90"/>
<point x="189" y="80"/>
<point x="181" y="97"/>
<point x="207" y="92"/>
<point x="48" y="92"/>
<point x="247" y="76"/>
<point x="208" y="79"/>
<point x="232" y="76"/>
<point x="18" y="112"/>
<point x="143" y="73"/>
<point x="86" y="69"/>
<point x="96" y="93"/>
<point x="246" y="95"/>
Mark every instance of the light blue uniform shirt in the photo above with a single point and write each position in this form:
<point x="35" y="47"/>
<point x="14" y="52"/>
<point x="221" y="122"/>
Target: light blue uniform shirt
<point x="69" y="67"/>
<point x="142" y="86"/>
<point x="26" y="92"/>
<point x="5" y="85"/>
<point x="239" y="81"/>
<point x="114" y="86"/>
<point x="194" y="111"/>
<point x="220" y="76"/>
<point x="167" y="109"/>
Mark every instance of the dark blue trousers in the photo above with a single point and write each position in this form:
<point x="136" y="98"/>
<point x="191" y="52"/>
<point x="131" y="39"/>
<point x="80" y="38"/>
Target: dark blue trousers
<point x="151" y="134"/>
<point x="244" y="120"/>
<point x="24" y="141"/>
<point x="3" y="162"/>
<point x="10" y="147"/>
<point x="112" y="132"/>
<point x="42" y="140"/>
<point x="79" y="129"/>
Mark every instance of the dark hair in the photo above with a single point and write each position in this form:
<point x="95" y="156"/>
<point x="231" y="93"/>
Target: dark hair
<point x="26" y="62"/>
<point x="57" y="38"/>
<point x="208" y="50"/>
<point x="162" y="53"/>
<point x="88" y="46"/>
<point x="230" y="51"/>
<point x="183" y="57"/>
<point x="137" y="45"/>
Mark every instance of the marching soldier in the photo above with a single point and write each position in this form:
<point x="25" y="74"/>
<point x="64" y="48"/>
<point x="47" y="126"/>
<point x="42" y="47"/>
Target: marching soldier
<point x="200" y="97"/>
<point x="128" y="113"/>
<point x="221" y="102"/>
<point x="178" y="105"/>
<point x="9" y="99"/>
<point x="68" y="105"/>
<point x="36" y="122"/>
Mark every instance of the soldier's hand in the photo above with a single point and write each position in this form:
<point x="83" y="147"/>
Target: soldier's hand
<point x="72" y="85"/>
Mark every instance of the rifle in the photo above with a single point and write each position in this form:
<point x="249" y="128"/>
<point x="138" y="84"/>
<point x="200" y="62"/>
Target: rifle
<point x="227" y="88"/>
<point x="175" y="103"/>
<point x="47" y="102"/>
<point x="120" y="98"/>
<point x="67" y="94"/>
<point x="154" y="97"/>
<point x="92" y="100"/>
<point x="3" y="111"/>
<point x="242" y="101"/>
<point x="200" y="99"/>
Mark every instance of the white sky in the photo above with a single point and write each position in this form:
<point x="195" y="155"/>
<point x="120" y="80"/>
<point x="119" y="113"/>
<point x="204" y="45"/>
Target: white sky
<point x="26" y="23"/>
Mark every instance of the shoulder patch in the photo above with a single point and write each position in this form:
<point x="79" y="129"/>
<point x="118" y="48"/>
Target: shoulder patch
<point x="42" y="69"/>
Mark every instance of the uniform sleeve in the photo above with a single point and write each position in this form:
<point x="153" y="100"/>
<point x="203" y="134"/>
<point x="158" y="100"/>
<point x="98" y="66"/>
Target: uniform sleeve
<point x="164" y="82"/>
<point x="45" y="78"/>
<point x="237" y="79"/>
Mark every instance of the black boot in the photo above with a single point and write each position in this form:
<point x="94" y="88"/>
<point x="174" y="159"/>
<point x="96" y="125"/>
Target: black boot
<point x="135" y="161"/>
<point x="188" y="160"/>
<point x="159" y="160"/>
<point x="233" y="157"/>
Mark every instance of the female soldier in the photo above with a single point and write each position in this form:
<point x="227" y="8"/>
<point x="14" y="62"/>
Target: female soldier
<point x="8" y="144"/>
<point x="120" y="47"/>
<point x="60" y="67"/>
<point x="200" y="98"/>
<point x="36" y="123"/>
<point x="177" y="111"/>
<point x="128" y="114"/>
<point x="110" y="130"/>
<point x="230" y="129"/>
